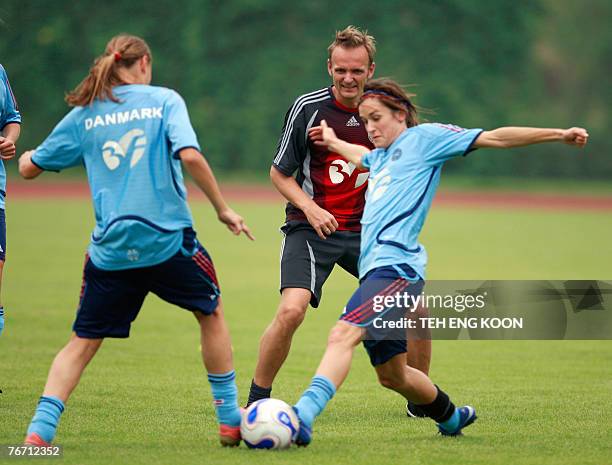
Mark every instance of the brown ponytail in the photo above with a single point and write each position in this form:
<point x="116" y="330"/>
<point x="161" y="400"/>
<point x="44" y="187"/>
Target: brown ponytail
<point x="122" y="51"/>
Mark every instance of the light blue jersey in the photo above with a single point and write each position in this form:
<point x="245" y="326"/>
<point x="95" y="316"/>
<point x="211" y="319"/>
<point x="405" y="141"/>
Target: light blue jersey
<point x="130" y="151"/>
<point x="402" y="184"/>
<point x="9" y="113"/>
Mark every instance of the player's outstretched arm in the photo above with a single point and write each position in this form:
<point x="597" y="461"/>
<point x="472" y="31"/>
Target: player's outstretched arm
<point x="508" y="137"/>
<point x="27" y="169"/>
<point x="326" y="136"/>
<point x="199" y="169"/>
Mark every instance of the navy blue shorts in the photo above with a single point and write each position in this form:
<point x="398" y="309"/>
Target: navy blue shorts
<point x="367" y="304"/>
<point x="110" y="300"/>
<point x="2" y="235"/>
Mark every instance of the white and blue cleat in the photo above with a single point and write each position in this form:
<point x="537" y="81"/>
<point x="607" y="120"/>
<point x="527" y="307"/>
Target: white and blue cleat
<point x="304" y="434"/>
<point x="467" y="416"/>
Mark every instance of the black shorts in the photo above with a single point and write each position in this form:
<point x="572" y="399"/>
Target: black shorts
<point x="307" y="260"/>
<point x="110" y="300"/>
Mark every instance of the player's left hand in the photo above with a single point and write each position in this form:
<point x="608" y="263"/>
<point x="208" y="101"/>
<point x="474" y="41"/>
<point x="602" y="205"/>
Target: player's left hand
<point x="575" y="136"/>
<point x="235" y="223"/>
<point x="7" y="148"/>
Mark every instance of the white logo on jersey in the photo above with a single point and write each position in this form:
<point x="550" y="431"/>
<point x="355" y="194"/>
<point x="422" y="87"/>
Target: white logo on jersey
<point x="111" y="150"/>
<point x="379" y="184"/>
<point x="123" y="117"/>
<point x="341" y="170"/>
<point x="133" y="255"/>
<point x="353" y="122"/>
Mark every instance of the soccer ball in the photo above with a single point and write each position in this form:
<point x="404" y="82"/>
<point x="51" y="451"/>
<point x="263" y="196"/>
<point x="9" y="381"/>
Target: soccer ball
<point x="269" y="424"/>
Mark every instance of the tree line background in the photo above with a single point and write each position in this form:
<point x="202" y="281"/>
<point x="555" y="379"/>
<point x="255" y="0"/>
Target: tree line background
<point x="239" y="64"/>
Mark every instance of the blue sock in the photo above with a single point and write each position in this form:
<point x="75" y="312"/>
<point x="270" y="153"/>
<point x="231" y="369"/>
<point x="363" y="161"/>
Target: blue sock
<point x="452" y="423"/>
<point x="314" y="399"/>
<point x="46" y="417"/>
<point x="225" y="393"/>
<point x="1" y="319"/>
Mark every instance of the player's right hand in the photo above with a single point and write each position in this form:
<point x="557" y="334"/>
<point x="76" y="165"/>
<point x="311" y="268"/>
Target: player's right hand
<point x="7" y="148"/>
<point x="322" y="221"/>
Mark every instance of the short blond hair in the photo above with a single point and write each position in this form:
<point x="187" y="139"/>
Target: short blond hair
<point x="353" y="37"/>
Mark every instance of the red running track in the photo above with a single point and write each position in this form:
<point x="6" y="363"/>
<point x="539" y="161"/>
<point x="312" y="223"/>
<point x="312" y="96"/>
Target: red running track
<point x="265" y="194"/>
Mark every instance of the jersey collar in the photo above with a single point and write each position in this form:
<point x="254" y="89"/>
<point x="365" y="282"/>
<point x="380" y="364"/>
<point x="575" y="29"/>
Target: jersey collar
<point x="339" y="105"/>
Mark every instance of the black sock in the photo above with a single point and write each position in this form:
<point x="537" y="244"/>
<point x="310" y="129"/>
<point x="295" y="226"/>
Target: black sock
<point x="416" y="410"/>
<point x="441" y="409"/>
<point x="257" y="392"/>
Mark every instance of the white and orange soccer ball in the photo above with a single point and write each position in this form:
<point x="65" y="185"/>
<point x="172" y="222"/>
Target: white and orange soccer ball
<point x="269" y="424"/>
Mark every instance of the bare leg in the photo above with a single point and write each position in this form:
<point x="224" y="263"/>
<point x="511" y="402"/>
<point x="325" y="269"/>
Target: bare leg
<point x="215" y="341"/>
<point x="419" y="354"/>
<point x="276" y="340"/>
<point x="419" y="344"/>
<point x="64" y="375"/>
<point x="416" y="387"/>
<point x="68" y="366"/>
<point x="411" y="383"/>
<point x="332" y="372"/>
<point x="338" y="356"/>
<point x="218" y="361"/>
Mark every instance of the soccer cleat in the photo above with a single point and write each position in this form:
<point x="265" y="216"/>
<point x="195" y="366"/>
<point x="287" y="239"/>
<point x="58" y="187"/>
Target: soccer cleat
<point x="414" y="411"/>
<point x="229" y="436"/>
<point x="34" y="439"/>
<point x="467" y="416"/>
<point x="304" y="434"/>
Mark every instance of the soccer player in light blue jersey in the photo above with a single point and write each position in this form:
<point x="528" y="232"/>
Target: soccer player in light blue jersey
<point x="10" y="125"/>
<point x="132" y="138"/>
<point x="404" y="174"/>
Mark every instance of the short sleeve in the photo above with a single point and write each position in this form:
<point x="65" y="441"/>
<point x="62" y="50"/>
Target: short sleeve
<point x="291" y="148"/>
<point x="10" y="112"/>
<point x="368" y="159"/>
<point x="447" y="141"/>
<point x="62" y="148"/>
<point x="177" y="125"/>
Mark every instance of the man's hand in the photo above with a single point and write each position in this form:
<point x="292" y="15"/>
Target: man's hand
<point x="235" y="223"/>
<point x="575" y="136"/>
<point x="322" y="221"/>
<point x="7" y="148"/>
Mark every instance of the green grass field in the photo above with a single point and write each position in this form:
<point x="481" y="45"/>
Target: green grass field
<point x="146" y="400"/>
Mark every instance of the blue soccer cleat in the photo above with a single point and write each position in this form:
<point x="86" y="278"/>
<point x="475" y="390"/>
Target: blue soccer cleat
<point x="467" y="416"/>
<point x="304" y="435"/>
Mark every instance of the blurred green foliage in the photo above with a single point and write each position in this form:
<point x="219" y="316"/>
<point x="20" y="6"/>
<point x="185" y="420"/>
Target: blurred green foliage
<point x="241" y="63"/>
